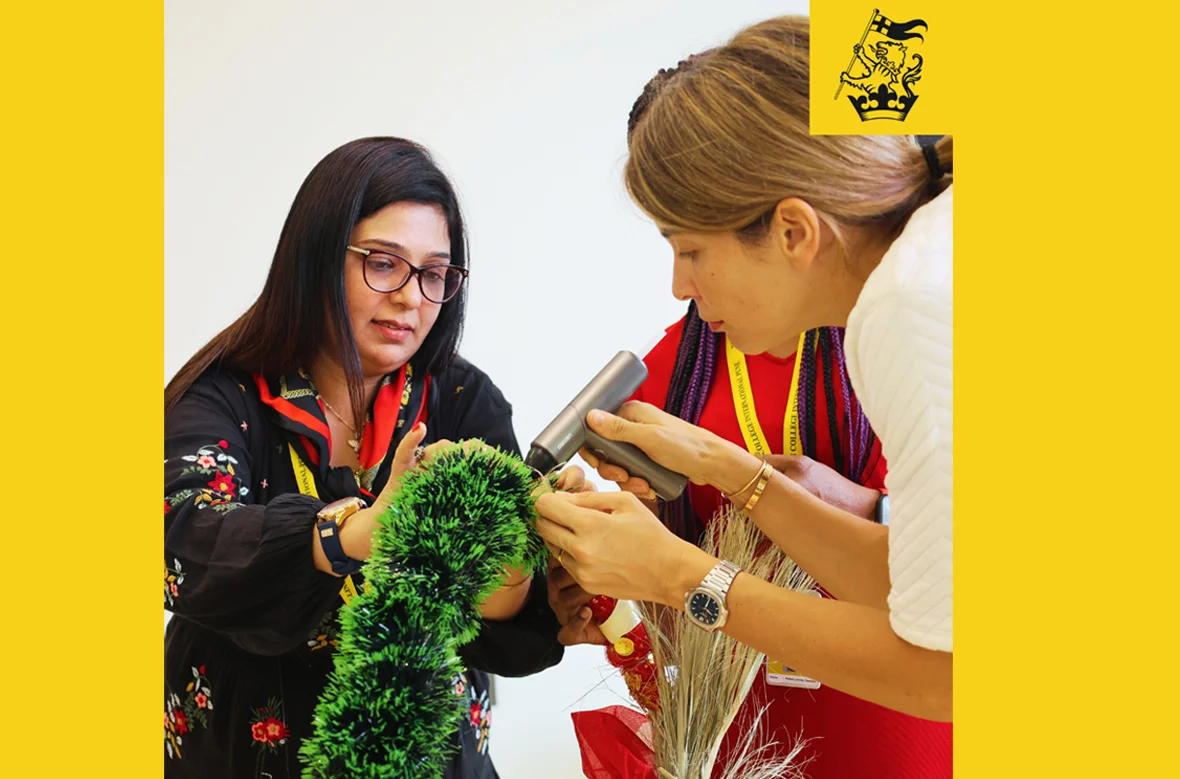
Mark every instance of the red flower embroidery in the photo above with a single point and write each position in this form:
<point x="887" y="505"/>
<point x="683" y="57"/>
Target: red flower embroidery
<point x="223" y="444"/>
<point x="275" y="730"/>
<point x="205" y="461"/>
<point x="181" y="721"/>
<point x="267" y="729"/>
<point x="475" y="712"/>
<point x="223" y="482"/>
<point x="167" y="508"/>
<point x="201" y="699"/>
<point x="202" y="670"/>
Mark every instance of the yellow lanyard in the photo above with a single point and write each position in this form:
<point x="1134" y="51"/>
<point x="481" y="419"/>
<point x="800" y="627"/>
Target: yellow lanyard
<point x="306" y="484"/>
<point x="777" y="674"/>
<point x="743" y="403"/>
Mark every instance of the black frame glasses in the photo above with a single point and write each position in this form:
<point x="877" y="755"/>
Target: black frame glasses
<point x="414" y="271"/>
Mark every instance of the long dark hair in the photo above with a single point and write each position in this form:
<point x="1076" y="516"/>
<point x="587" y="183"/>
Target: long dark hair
<point x="696" y="359"/>
<point x="302" y="308"/>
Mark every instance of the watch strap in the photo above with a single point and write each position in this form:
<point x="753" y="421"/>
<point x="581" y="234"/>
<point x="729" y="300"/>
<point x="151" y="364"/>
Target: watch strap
<point x="720" y="578"/>
<point x="342" y="564"/>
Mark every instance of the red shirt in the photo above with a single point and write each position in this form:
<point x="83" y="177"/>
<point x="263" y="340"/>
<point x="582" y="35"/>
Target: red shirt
<point x="851" y="738"/>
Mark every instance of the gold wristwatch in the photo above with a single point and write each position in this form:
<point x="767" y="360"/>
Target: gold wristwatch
<point x="340" y="511"/>
<point x="329" y="521"/>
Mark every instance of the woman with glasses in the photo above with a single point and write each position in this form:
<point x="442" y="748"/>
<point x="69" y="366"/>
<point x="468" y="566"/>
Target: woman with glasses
<point x="285" y="437"/>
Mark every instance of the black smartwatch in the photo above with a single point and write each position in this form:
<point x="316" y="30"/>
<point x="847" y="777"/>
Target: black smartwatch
<point x="331" y="518"/>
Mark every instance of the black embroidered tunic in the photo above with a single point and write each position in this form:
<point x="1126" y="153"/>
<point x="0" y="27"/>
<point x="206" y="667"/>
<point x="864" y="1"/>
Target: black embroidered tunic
<point x="254" y="625"/>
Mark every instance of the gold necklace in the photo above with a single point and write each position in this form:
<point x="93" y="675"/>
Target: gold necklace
<point x="355" y="442"/>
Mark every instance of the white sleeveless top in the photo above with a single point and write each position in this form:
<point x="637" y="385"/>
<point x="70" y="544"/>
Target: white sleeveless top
<point x="899" y="348"/>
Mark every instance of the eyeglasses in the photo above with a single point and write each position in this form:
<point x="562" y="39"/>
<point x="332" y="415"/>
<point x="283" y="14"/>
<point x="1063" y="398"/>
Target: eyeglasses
<point x="386" y="272"/>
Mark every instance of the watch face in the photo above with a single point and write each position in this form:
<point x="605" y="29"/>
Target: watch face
<point x="341" y="510"/>
<point x="704" y="608"/>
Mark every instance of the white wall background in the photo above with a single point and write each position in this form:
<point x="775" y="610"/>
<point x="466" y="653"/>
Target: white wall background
<point x="525" y="105"/>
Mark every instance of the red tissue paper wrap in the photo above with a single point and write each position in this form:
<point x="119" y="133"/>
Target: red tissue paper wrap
<point x="615" y="743"/>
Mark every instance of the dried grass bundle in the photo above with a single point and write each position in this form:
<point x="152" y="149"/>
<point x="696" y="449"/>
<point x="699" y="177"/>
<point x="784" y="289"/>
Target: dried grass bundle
<point x="707" y="676"/>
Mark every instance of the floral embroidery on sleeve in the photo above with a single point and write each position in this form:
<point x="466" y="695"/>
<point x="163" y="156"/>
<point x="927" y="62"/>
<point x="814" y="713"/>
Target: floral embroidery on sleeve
<point x="479" y="710"/>
<point x="481" y="720"/>
<point x="325" y="634"/>
<point x="175" y="726"/>
<point x="223" y="490"/>
<point x="176" y="498"/>
<point x="173" y="578"/>
<point x="183" y="716"/>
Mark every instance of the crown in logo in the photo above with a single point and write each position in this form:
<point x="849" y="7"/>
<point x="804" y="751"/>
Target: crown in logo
<point x="883" y="104"/>
<point x="883" y="70"/>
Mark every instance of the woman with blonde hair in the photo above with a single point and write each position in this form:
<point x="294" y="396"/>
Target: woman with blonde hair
<point x="776" y="232"/>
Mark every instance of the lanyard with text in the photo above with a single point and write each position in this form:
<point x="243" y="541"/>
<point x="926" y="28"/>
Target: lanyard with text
<point x="743" y="403"/>
<point x="777" y="674"/>
<point x="307" y="486"/>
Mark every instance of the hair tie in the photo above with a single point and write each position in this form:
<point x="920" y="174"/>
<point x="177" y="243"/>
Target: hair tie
<point x="932" y="162"/>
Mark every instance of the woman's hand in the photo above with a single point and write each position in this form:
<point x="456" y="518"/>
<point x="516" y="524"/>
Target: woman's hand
<point x="702" y="456"/>
<point x="614" y="546"/>
<point x="568" y="601"/>
<point x="826" y="484"/>
<point x="356" y="537"/>
<point x="573" y="479"/>
<point x="509" y="599"/>
<point x="627" y="483"/>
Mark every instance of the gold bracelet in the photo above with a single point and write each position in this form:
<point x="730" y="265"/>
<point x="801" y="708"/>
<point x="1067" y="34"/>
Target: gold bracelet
<point x="763" y="480"/>
<point x="750" y="483"/>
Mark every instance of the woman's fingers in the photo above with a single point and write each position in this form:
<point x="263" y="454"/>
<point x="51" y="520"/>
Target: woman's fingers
<point x="558" y="538"/>
<point x="572" y="479"/>
<point x="613" y="473"/>
<point x="614" y="428"/>
<point x="403" y="459"/>
<point x="434" y="449"/>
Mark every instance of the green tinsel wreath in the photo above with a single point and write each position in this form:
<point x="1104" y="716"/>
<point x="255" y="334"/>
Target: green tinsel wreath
<point x="389" y="707"/>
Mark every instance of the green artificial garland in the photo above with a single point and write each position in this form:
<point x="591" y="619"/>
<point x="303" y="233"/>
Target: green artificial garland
<point x="389" y="707"/>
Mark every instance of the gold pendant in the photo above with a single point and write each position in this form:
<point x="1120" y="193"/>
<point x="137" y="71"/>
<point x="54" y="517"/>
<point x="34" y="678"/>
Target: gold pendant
<point x="356" y="445"/>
